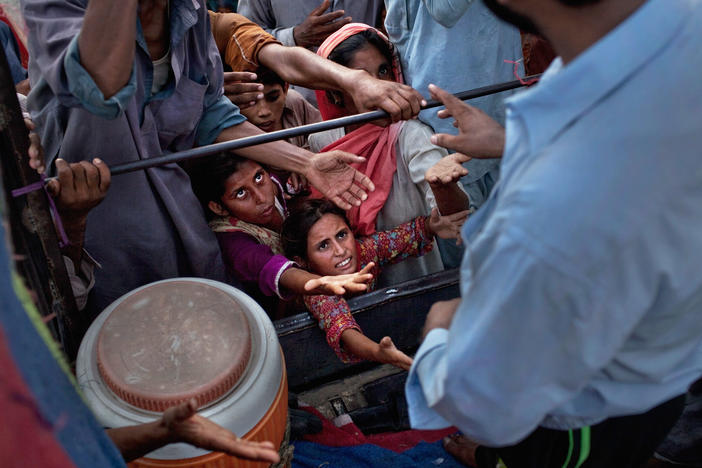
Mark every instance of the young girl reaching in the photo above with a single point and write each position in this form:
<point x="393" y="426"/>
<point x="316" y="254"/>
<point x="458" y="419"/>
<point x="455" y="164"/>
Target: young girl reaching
<point x="246" y="210"/>
<point x="397" y="156"/>
<point x="317" y="236"/>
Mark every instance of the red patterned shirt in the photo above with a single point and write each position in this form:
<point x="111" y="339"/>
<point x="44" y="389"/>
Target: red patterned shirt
<point x="383" y="248"/>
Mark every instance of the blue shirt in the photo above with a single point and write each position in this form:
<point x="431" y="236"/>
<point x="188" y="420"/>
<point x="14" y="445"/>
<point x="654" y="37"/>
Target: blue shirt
<point x="581" y="283"/>
<point x="150" y="226"/>
<point x="457" y="45"/>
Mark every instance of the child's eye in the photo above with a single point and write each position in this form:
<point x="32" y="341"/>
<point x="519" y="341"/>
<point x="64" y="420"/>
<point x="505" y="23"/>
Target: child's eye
<point x="239" y="194"/>
<point x="258" y="177"/>
<point x="383" y="70"/>
<point x="272" y="97"/>
<point x="341" y="234"/>
<point x="323" y="245"/>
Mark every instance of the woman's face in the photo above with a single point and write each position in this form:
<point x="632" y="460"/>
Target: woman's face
<point x="370" y="59"/>
<point x="249" y="195"/>
<point x="331" y="247"/>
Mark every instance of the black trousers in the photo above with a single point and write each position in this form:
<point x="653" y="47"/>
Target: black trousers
<point x="623" y="442"/>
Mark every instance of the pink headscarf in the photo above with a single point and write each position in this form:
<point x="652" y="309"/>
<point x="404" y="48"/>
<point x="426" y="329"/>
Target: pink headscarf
<point x="376" y="144"/>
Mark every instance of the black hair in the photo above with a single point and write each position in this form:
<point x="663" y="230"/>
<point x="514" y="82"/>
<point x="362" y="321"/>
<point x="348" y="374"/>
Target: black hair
<point x="297" y="226"/>
<point x="209" y="176"/>
<point x="266" y="76"/>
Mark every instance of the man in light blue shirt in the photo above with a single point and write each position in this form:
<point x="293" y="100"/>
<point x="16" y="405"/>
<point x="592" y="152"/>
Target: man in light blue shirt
<point x="579" y="322"/>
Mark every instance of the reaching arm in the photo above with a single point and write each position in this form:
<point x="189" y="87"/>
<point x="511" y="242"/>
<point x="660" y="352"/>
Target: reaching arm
<point x="299" y="66"/>
<point x="182" y="424"/>
<point x="442" y="178"/>
<point x="329" y="173"/>
<point x="301" y="281"/>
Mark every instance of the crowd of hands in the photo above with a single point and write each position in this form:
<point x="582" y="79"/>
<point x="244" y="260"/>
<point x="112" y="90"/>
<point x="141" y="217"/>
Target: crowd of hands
<point x="79" y="187"/>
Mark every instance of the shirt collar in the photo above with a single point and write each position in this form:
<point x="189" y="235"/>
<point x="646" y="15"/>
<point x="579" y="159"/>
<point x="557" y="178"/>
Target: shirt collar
<point x="567" y="92"/>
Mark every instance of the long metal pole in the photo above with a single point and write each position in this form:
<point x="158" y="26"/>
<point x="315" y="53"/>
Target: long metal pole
<point x="301" y="130"/>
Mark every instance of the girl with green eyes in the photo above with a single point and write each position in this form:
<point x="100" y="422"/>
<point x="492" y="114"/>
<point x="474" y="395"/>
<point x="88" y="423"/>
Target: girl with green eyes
<point x="397" y="155"/>
<point x="246" y="210"/>
<point x="317" y="236"/>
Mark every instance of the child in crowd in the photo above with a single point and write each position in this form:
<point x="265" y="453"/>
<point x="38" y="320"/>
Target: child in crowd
<point x="280" y="107"/>
<point x="246" y="210"/>
<point x="397" y="156"/>
<point x="317" y="236"/>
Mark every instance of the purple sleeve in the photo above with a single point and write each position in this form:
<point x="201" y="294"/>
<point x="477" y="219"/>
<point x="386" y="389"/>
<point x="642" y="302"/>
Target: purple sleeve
<point x="252" y="262"/>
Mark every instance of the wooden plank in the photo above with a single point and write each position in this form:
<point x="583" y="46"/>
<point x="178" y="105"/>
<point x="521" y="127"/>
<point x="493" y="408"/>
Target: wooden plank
<point x="34" y="237"/>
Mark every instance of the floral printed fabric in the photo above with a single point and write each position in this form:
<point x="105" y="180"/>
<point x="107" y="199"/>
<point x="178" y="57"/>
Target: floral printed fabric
<point x="383" y="248"/>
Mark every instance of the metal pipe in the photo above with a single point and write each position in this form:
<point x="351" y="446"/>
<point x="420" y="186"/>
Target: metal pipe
<point x="301" y="130"/>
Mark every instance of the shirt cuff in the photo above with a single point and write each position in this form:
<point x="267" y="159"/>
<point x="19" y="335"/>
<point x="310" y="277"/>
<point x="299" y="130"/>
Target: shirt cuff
<point x="84" y="88"/>
<point x="269" y="277"/>
<point x="427" y="368"/>
<point x="220" y="115"/>
<point x="286" y="36"/>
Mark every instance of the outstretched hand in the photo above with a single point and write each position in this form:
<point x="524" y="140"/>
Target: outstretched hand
<point x="331" y="174"/>
<point x="449" y="226"/>
<point x="240" y="88"/>
<point x="399" y="100"/>
<point x="318" y="25"/>
<point x="389" y="354"/>
<point x="447" y="170"/>
<point x="341" y="284"/>
<point x="479" y="136"/>
<point x="183" y="424"/>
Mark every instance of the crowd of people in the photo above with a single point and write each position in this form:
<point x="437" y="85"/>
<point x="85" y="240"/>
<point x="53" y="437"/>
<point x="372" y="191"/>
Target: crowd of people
<point x="573" y="208"/>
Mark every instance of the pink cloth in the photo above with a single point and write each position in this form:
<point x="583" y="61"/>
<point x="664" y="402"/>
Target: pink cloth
<point x="376" y="144"/>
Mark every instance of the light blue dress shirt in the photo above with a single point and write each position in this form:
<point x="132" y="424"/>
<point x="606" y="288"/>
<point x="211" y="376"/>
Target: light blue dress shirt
<point x="582" y="280"/>
<point x="457" y="45"/>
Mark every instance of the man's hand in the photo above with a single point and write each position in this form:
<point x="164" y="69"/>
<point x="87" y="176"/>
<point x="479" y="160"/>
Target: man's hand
<point x="400" y="101"/>
<point x="318" y="26"/>
<point x="331" y="174"/>
<point x="240" y="89"/>
<point x="478" y="135"/>
<point x="341" y="284"/>
<point x="441" y="315"/>
<point x="447" y="227"/>
<point x="447" y="170"/>
<point x="78" y="188"/>
<point x="184" y="425"/>
<point x="36" y="151"/>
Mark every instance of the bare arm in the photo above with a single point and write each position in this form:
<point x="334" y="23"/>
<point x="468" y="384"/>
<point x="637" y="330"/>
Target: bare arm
<point x="301" y="281"/>
<point x="107" y="43"/>
<point x="442" y="178"/>
<point x="329" y="173"/>
<point x="182" y="424"/>
<point x="363" y="347"/>
<point x="299" y="66"/>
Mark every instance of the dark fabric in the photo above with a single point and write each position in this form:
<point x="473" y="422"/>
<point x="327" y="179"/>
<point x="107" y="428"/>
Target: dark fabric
<point x="623" y="442"/>
<point x="55" y="402"/>
<point x="683" y="445"/>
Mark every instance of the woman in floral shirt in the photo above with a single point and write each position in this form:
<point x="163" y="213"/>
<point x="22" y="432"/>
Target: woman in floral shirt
<point x="317" y="236"/>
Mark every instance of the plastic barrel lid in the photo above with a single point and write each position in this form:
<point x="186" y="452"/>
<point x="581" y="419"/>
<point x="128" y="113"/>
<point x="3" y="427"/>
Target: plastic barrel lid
<point x="174" y="341"/>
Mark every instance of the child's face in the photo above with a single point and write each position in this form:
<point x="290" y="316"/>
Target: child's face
<point x="249" y="195"/>
<point x="331" y="247"/>
<point x="267" y="113"/>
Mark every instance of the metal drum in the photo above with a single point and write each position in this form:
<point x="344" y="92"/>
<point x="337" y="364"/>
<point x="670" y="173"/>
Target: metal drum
<point x="174" y="340"/>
